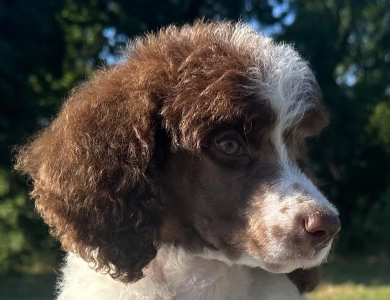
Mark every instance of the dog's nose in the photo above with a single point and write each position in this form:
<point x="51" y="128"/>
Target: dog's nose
<point x="321" y="228"/>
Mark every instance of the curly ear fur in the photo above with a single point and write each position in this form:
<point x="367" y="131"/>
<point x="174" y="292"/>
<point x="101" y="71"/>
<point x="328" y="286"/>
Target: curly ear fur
<point x="89" y="169"/>
<point x="305" y="280"/>
<point x="90" y="166"/>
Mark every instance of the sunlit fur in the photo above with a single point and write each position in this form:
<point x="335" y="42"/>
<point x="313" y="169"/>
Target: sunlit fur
<point x="129" y="179"/>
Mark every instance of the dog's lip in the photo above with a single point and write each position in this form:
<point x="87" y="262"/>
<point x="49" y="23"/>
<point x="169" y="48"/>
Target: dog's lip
<point x="323" y="244"/>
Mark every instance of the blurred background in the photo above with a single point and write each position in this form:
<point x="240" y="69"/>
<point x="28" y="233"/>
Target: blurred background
<point x="48" y="47"/>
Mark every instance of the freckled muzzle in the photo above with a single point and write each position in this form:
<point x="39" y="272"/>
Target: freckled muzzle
<point x="291" y="225"/>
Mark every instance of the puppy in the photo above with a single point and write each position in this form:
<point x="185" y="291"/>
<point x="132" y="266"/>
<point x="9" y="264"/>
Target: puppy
<point x="179" y="174"/>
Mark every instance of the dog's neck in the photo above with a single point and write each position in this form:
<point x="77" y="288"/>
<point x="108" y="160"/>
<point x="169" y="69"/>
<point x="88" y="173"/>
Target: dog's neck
<point x="183" y="275"/>
<point x="176" y="274"/>
<point x="188" y="276"/>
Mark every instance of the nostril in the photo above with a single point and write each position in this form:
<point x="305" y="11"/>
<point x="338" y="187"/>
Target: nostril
<point x="321" y="227"/>
<point x="318" y="233"/>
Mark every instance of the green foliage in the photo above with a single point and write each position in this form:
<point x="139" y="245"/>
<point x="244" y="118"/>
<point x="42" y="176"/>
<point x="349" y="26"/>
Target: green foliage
<point x="351" y="291"/>
<point x="60" y="42"/>
<point x="41" y="59"/>
<point x="378" y="220"/>
<point x="354" y="277"/>
<point x="21" y="232"/>
<point x="379" y="123"/>
<point x="28" y="287"/>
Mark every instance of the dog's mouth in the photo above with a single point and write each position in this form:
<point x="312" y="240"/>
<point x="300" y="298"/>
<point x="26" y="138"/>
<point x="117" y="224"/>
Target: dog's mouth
<point x="275" y="262"/>
<point x="324" y="244"/>
<point x="288" y="261"/>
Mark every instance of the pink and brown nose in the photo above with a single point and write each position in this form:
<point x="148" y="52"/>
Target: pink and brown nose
<point x="321" y="228"/>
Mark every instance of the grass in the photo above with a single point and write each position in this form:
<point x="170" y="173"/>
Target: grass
<point x="346" y="278"/>
<point x="351" y="291"/>
<point x="355" y="278"/>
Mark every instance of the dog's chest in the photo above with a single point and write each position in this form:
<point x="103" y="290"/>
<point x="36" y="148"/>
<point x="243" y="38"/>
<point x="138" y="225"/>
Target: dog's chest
<point x="177" y="278"/>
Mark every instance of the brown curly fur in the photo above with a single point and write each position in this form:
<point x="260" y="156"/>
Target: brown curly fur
<point x="93" y="167"/>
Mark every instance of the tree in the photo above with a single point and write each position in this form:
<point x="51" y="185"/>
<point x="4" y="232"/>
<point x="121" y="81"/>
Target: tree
<point x="21" y="55"/>
<point x="55" y="47"/>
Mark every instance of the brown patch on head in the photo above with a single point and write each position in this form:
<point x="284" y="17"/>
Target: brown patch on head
<point x="218" y="88"/>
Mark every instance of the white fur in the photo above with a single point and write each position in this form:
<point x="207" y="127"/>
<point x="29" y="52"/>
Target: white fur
<point x="285" y="81"/>
<point x="297" y="193"/>
<point x="288" y="84"/>
<point x="291" y="90"/>
<point x="178" y="275"/>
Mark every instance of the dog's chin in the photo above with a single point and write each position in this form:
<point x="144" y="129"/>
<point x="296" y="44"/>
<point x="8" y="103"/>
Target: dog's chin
<point x="285" y="263"/>
<point x="276" y="264"/>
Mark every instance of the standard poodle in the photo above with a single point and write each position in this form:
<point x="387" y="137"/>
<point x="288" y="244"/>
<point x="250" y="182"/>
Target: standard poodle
<point x="180" y="173"/>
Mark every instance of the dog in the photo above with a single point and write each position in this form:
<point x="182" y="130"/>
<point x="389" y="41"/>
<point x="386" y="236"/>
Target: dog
<point x="180" y="173"/>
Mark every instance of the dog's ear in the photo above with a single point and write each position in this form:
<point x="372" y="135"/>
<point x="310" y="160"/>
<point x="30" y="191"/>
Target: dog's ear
<point x="89" y="170"/>
<point x="305" y="280"/>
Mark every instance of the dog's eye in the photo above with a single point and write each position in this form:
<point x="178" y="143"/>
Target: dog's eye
<point x="229" y="146"/>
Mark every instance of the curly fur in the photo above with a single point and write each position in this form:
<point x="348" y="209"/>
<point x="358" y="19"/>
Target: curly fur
<point x="98" y="168"/>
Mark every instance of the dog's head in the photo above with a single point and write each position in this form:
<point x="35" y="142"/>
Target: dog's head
<point x="196" y="140"/>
